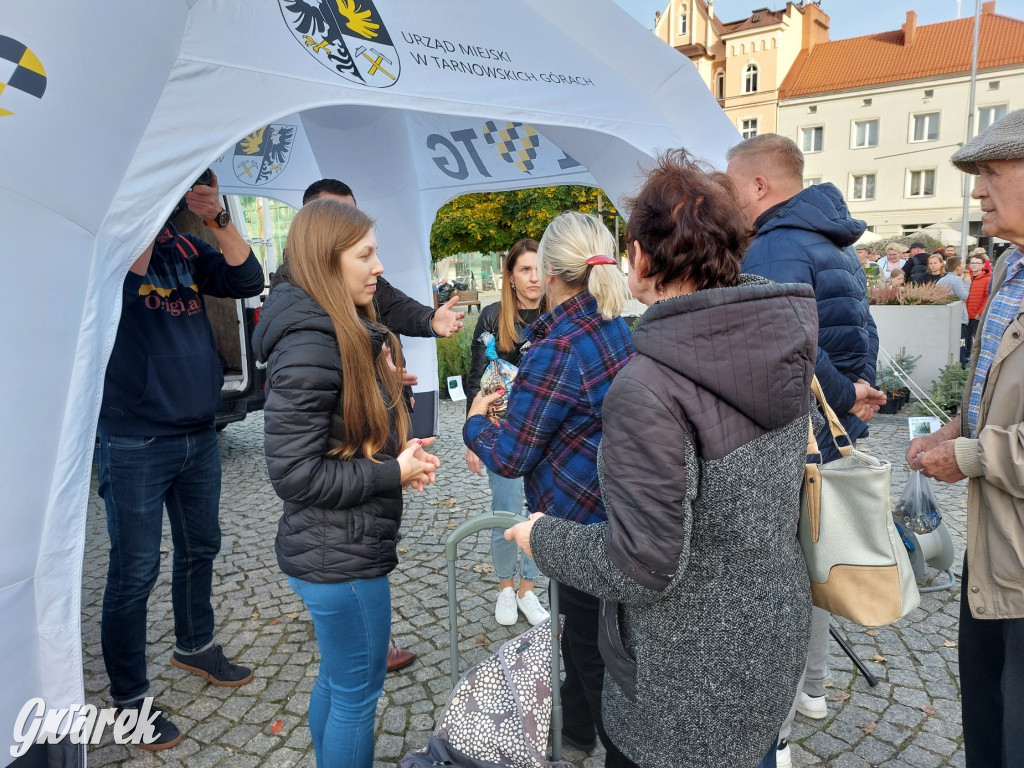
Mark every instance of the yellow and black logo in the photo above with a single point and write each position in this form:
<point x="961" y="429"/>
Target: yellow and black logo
<point x="516" y="143"/>
<point x="263" y="154"/>
<point x="346" y="36"/>
<point x="21" y="73"/>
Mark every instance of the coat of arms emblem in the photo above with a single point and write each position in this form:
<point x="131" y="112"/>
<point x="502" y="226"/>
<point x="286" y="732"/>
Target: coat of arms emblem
<point x="263" y="154"/>
<point x="346" y="36"/>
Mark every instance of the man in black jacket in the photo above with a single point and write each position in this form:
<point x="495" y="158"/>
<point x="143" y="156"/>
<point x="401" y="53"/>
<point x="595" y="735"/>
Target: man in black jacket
<point x="917" y="263"/>
<point x="400" y="313"/>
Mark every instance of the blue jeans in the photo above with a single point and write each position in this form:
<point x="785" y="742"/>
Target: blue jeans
<point x="507" y="496"/>
<point x="352" y="620"/>
<point x="768" y="761"/>
<point x="138" y="476"/>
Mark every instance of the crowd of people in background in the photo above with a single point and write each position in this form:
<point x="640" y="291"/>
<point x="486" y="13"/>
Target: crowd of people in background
<point x="901" y="266"/>
<point x="661" y="466"/>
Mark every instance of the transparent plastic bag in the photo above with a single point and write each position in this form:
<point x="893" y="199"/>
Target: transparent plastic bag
<point x="499" y="374"/>
<point x="917" y="508"/>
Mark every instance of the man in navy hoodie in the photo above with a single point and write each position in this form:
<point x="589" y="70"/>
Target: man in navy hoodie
<point x="807" y="236"/>
<point x="157" y="446"/>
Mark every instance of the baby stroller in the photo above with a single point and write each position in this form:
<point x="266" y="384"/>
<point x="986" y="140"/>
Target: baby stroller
<point x="498" y="714"/>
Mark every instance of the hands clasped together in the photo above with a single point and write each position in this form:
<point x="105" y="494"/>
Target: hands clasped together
<point x="419" y="468"/>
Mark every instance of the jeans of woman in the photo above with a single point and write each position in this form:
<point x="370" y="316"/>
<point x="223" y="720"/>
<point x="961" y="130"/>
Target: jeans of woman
<point x="352" y="620"/>
<point x="507" y="496"/>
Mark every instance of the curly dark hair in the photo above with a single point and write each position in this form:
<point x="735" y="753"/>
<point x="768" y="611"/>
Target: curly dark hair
<point x="688" y="221"/>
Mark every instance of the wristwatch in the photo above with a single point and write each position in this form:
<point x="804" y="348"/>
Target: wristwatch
<point x="222" y="219"/>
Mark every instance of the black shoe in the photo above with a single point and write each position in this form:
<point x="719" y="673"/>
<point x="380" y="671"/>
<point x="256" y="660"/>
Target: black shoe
<point x="580" y="744"/>
<point x="214" y="666"/>
<point x="167" y="733"/>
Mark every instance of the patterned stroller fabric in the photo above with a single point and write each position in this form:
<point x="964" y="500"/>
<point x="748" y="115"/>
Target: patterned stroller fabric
<point x="499" y="715"/>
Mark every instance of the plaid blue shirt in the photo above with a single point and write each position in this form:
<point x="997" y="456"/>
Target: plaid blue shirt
<point x="1003" y="308"/>
<point x="553" y="426"/>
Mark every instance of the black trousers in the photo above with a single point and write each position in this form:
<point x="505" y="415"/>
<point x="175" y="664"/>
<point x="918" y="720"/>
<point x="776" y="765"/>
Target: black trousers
<point x="584" y="674"/>
<point x="991" y="653"/>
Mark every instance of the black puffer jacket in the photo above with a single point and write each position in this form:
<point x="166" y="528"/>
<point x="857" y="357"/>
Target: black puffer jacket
<point x="340" y="518"/>
<point x="706" y="606"/>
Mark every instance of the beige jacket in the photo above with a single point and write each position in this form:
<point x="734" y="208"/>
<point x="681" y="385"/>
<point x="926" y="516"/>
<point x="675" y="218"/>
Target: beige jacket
<point x="994" y="464"/>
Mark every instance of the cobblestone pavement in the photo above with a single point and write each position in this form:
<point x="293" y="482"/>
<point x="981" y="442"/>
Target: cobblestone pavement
<point x="911" y="719"/>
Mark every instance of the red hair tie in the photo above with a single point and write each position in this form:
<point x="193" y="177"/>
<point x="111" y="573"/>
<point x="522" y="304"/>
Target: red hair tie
<point x="601" y="259"/>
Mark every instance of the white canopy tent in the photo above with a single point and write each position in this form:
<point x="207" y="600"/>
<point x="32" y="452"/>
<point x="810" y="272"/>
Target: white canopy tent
<point x="110" y="110"/>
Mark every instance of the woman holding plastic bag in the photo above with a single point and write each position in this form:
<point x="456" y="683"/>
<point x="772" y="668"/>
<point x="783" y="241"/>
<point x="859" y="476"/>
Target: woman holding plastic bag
<point x="504" y="324"/>
<point x="552" y="429"/>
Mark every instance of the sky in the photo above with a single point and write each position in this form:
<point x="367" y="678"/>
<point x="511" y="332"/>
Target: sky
<point x="849" y="18"/>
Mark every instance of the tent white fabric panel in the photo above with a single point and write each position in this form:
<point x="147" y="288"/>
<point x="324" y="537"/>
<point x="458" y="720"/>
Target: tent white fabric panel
<point x="141" y="97"/>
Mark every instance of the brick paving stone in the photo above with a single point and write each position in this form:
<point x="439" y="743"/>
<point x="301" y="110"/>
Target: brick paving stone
<point x="261" y="622"/>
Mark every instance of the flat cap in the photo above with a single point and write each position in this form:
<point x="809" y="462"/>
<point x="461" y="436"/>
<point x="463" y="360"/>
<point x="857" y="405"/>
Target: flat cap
<point x="1003" y="140"/>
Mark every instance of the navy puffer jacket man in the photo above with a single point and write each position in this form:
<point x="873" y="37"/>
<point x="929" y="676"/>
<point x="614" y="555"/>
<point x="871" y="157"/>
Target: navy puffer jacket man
<point x="807" y="237"/>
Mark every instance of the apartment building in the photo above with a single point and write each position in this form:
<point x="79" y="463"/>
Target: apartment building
<point x="877" y="115"/>
<point x="880" y="115"/>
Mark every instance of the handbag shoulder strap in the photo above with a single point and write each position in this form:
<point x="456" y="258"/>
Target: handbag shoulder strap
<point x="845" y="445"/>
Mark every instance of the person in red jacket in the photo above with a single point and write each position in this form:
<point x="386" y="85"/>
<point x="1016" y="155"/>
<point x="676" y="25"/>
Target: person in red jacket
<point x="978" y="295"/>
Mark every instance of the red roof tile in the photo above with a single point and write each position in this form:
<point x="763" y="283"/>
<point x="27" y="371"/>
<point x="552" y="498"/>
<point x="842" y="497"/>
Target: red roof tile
<point x="937" y="49"/>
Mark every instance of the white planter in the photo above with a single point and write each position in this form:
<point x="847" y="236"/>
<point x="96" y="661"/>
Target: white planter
<point x="929" y="330"/>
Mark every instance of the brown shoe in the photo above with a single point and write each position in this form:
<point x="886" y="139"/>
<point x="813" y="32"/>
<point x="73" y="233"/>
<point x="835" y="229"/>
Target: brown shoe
<point x="399" y="658"/>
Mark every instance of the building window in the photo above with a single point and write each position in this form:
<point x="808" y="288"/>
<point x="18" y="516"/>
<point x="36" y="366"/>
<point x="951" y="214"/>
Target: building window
<point x="748" y="128"/>
<point x="910" y="229"/>
<point x="812" y="138"/>
<point x="988" y="115"/>
<point x="750" y="79"/>
<point x="812" y="181"/>
<point x="993" y="85"/>
<point x="863" y="187"/>
<point x="925" y="127"/>
<point x="865" y="133"/>
<point x="720" y="86"/>
<point x="682" y="23"/>
<point x="922" y="183"/>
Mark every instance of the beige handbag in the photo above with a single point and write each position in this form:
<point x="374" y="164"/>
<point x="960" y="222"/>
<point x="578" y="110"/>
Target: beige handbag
<point x="858" y="564"/>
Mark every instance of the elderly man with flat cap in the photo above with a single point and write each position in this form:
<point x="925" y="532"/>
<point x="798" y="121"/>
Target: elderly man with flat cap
<point x="986" y="445"/>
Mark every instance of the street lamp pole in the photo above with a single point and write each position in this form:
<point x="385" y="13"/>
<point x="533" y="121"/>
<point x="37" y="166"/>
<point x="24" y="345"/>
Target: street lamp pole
<point x="964" y="223"/>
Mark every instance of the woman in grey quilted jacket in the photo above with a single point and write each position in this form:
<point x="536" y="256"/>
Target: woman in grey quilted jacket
<point x="338" y="457"/>
<point x="705" y="596"/>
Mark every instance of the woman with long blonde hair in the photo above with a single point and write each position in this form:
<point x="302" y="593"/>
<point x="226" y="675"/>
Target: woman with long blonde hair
<point x="552" y="430"/>
<point x="338" y="456"/>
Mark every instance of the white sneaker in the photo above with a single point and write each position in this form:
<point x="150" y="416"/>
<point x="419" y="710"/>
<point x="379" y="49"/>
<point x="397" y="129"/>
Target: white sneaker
<point x="813" y="707"/>
<point x="782" y="757"/>
<point x="532" y="609"/>
<point x="505" y="612"/>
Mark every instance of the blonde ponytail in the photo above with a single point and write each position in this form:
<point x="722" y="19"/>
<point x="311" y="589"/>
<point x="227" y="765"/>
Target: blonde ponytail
<point x="569" y="240"/>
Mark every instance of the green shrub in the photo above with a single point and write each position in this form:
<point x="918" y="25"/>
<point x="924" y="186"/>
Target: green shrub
<point x="454" y="357"/>
<point x="947" y="390"/>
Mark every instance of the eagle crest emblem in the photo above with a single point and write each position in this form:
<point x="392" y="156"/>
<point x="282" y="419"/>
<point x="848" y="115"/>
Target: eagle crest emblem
<point x="346" y="36"/>
<point x="263" y="154"/>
